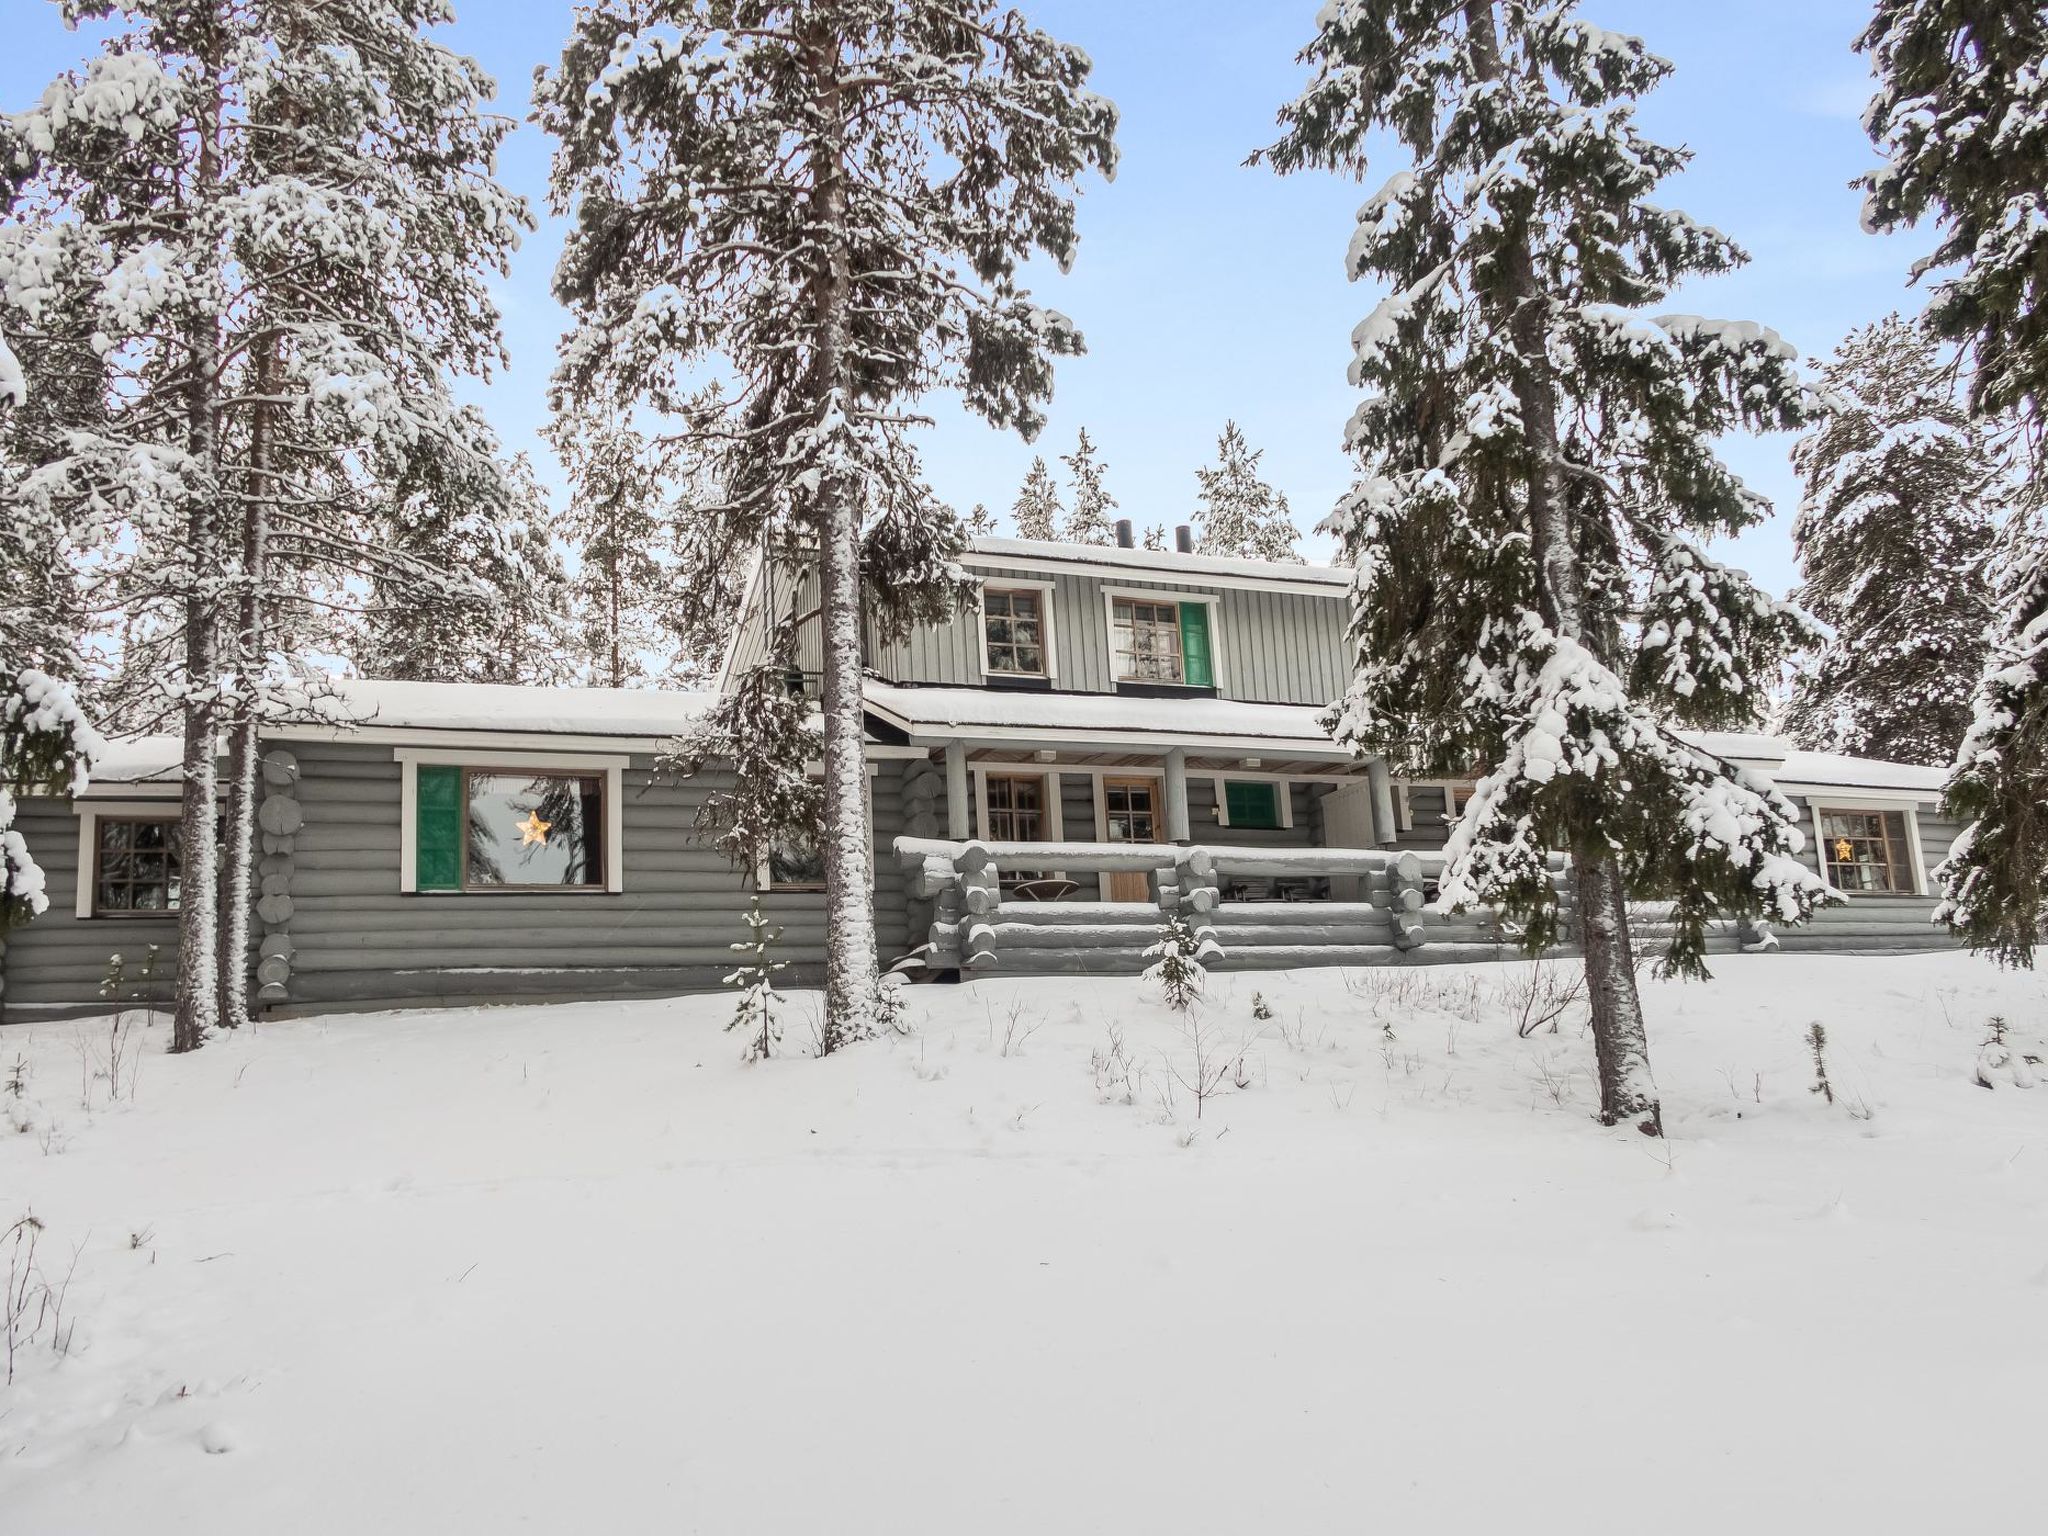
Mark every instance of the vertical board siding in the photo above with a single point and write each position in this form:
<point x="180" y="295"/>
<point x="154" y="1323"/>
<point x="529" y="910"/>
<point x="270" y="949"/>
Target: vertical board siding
<point x="1268" y="647"/>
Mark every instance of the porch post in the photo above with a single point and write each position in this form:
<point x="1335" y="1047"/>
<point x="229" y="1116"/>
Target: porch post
<point x="1177" y="795"/>
<point x="959" y="811"/>
<point x="1385" y="829"/>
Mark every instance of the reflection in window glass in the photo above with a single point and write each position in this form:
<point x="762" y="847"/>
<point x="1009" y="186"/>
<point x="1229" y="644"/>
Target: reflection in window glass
<point x="137" y="866"/>
<point x="1147" y="639"/>
<point x="534" y="830"/>
<point x="1866" y="850"/>
<point x="1015" y="621"/>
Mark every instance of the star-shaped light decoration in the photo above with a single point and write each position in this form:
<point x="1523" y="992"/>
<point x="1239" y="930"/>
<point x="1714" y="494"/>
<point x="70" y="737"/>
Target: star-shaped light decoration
<point x="533" y="829"/>
<point x="1844" y="850"/>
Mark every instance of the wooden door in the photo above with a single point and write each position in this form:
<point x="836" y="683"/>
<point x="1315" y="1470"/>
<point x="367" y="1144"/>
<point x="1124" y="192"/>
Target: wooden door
<point x="1130" y="808"/>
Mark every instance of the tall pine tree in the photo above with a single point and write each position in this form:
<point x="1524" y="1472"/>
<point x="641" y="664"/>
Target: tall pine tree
<point x="1530" y="444"/>
<point x="826" y="205"/>
<point x="1037" y="510"/>
<point x="621" y="525"/>
<point x="1089" y="523"/>
<point x="1238" y="515"/>
<point x="1961" y="117"/>
<point x="249" y="245"/>
<point x="1901" y="510"/>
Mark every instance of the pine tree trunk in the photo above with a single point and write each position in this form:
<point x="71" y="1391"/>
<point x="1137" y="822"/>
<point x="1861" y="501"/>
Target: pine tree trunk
<point x="852" y="964"/>
<point x="198" y="999"/>
<point x="239" y="844"/>
<point x="1620" y="1041"/>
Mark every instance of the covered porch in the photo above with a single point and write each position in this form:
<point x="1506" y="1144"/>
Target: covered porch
<point x="1110" y="772"/>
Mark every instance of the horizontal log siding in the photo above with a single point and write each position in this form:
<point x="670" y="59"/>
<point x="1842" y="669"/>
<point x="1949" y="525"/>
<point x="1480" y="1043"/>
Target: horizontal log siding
<point x="358" y="939"/>
<point x="1271" y="647"/>
<point x="56" y="963"/>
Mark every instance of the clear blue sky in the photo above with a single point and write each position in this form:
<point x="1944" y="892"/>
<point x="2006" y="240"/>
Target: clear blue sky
<point x="1209" y="291"/>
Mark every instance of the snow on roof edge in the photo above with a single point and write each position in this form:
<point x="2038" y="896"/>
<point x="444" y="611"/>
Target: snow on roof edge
<point x="1165" y="562"/>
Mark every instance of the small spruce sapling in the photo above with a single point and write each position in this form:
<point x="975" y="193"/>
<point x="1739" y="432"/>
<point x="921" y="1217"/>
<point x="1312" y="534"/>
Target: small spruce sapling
<point x="759" y="1015"/>
<point x="1174" y="964"/>
<point x="1999" y="1057"/>
<point x="1261" y="1009"/>
<point x="1817" y="1039"/>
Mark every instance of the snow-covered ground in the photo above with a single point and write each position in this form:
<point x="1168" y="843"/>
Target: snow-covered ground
<point x="578" y="1269"/>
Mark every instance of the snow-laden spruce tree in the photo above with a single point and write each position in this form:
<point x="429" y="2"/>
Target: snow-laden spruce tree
<point x="1530" y="591"/>
<point x="1238" y="515"/>
<point x="1902" y="506"/>
<point x="1961" y="117"/>
<point x="1037" y="510"/>
<point x="793" y="221"/>
<point x="1089" y="522"/>
<point x="248" y="245"/>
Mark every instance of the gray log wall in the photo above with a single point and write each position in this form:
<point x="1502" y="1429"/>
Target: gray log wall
<point x="356" y="940"/>
<point x="55" y="965"/>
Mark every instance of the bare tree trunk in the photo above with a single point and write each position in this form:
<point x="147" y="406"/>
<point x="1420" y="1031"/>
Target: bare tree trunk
<point x="612" y="583"/>
<point x="1620" y="1040"/>
<point x="852" y="964"/>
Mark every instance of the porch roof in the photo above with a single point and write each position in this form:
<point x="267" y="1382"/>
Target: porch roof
<point x="1007" y="718"/>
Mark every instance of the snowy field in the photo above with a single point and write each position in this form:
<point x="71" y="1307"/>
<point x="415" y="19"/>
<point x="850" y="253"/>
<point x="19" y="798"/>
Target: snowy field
<point x="579" y="1269"/>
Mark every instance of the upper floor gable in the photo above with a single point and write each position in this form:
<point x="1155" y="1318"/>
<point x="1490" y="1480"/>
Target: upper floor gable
<point x="1103" y="619"/>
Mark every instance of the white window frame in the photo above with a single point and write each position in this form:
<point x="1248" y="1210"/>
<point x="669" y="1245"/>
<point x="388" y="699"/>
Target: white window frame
<point x="1853" y="804"/>
<point x="1048" y="637"/>
<point x="410" y="758"/>
<point x="90" y="814"/>
<point x="1212" y="600"/>
<point x="1283" y="782"/>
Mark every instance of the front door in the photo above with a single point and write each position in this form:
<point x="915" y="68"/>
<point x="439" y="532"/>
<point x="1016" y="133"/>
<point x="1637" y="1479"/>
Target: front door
<point x="1130" y="808"/>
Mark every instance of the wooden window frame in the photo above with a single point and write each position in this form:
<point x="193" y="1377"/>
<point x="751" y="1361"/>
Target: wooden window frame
<point x="1047" y="637"/>
<point x="609" y="769"/>
<point x="92" y="825"/>
<point x="1908" y="861"/>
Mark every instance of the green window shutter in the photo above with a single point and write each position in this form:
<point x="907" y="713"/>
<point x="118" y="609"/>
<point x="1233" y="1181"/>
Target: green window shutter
<point x="437" y="828"/>
<point x="1196" y="670"/>
<point x="1252" y="804"/>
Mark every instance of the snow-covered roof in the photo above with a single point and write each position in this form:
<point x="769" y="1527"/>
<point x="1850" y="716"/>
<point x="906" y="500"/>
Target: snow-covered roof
<point x="639" y="712"/>
<point x="1162" y="563"/>
<point x="1823" y="769"/>
<point x="139" y="760"/>
<point x="1790" y="768"/>
<point x="993" y="713"/>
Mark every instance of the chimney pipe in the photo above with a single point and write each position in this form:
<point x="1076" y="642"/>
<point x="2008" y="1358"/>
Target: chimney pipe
<point x="1184" y="539"/>
<point x="1125" y="539"/>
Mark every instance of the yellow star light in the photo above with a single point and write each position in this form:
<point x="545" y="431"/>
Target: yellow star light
<point x="533" y="829"/>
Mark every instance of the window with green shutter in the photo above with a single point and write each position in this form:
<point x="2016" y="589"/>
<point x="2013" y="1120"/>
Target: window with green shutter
<point x="1252" y="803"/>
<point x="437" y="828"/>
<point x="1196" y="669"/>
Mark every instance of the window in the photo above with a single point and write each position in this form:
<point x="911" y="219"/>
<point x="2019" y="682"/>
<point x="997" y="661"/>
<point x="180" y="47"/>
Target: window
<point x="796" y="861"/>
<point x="1013" y="621"/>
<point x="1866" y="850"/>
<point x="493" y="829"/>
<point x="1253" y="804"/>
<point x="1148" y="642"/>
<point x="135" y="868"/>
<point x="1016" y="808"/>
<point x="1161" y="642"/>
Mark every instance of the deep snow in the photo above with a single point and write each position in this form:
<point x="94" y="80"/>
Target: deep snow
<point x="578" y="1268"/>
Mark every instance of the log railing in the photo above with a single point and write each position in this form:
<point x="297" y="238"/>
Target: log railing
<point x="957" y="896"/>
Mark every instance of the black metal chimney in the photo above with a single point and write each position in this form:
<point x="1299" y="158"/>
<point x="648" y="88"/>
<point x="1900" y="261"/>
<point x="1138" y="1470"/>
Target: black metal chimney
<point x="1184" y="539"/>
<point x="1125" y="538"/>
